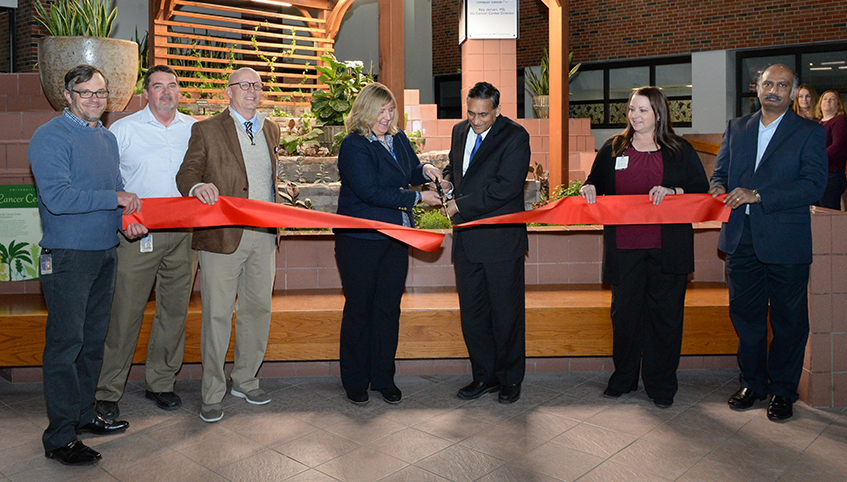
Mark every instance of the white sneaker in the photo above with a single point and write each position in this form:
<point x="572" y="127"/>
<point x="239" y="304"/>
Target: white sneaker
<point x="211" y="413"/>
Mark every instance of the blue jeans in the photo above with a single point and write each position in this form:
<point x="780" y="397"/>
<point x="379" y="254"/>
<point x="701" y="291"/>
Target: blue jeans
<point x="79" y="297"/>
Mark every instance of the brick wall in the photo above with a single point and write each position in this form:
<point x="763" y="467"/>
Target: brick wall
<point x="27" y="33"/>
<point x="4" y="41"/>
<point x="616" y="29"/>
<point x="447" y="53"/>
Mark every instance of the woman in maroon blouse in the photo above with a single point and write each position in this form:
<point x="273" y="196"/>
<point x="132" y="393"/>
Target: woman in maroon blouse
<point x="830" y="111"/>
<point x="646" y="265"/>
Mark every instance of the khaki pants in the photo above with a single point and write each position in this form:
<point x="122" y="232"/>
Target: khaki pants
<point x="171" y="265"/>
<point x="246" y="275"/>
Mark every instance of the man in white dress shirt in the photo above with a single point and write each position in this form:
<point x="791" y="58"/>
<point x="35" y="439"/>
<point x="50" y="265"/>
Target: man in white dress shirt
<point x="152" y="144"/>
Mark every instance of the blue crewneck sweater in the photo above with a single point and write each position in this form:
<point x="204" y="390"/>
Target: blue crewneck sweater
<point x="76" y="176"/>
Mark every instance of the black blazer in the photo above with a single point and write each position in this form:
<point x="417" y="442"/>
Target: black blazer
<point x="791" y="176"/>
<point x="493" y="185"/>
<point x="374" y="185"/>
<point x="680" y="169"/>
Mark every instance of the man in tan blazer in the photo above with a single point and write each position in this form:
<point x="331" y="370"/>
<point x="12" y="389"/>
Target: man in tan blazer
<point x="233" y="154"/>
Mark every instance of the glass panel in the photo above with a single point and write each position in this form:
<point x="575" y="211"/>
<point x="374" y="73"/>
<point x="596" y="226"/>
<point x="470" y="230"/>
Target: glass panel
<point x="680" y="111"/>
<point x="749" y="105"/>
<point x="674" y="79"/>
<point x="753" y="67"/>
<point x="623" y="81"/>
<point x="825" y="70"/>
<point x="591" y="111"/>
<point x="587" y="85"/>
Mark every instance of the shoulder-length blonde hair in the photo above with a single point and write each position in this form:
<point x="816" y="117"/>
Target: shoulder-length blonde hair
<point x="366" y="109"/>
<point x="819" y="111"/>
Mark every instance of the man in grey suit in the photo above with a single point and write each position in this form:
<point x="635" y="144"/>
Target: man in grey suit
<point x="233" y="154"/>
<point x="489" y="161"/>
<point x="773" y="163"/>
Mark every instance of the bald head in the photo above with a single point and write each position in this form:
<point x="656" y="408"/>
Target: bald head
<point x="775" y="89"/>
<point x="245" y="101"/>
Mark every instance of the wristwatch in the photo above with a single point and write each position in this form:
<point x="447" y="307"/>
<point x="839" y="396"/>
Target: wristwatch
<point x="758" y="197"/>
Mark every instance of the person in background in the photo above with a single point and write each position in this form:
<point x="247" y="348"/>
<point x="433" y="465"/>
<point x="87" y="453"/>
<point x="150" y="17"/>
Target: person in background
<point x="805" y="101"/>
<point x="75" y="160"/>
<point x="830" y="111"/>
<point x="377" y="164"/>
<point x="152" y="143"/>
<point x="646" y="265"/>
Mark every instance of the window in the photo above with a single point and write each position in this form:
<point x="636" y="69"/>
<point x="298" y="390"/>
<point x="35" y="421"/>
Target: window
<point x="821" y="66"/>
<point x="600" y="91"/>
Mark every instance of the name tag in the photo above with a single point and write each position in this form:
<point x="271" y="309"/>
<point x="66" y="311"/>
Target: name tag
<point x="146" y="244"/>
<point x="46" y="263"/>
<point x="621" y="162"/>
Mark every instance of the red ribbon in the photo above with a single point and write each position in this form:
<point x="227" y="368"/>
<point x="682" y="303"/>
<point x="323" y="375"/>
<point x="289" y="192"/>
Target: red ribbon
<point x="189" y="212"/>
<point x="624" y="209"/>
<point x="186" y="212"/>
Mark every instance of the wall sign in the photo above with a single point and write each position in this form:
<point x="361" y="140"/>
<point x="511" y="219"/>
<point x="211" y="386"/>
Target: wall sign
<point x="20" y="232"/>
<point x="488" y="19"/>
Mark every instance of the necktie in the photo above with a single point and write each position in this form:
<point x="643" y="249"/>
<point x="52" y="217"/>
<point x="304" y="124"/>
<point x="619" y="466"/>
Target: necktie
<point x="248" y="126"/>
<point x="475" y="147"/>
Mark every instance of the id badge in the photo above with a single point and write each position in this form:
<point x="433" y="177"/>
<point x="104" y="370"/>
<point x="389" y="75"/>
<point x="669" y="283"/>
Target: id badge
<point x="621" y="162"/>
<point x="46" y="263"/>
<point x="146" y="244"/>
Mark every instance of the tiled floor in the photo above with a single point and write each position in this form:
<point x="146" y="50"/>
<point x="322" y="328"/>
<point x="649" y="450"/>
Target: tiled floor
<point x="561" y="430"/>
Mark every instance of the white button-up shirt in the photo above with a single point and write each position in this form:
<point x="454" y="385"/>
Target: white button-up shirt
<point x="151" y="153"/>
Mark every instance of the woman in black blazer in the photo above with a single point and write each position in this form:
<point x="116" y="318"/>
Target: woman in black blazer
<point x="646" y="265"/>
<point x="377" y="164"/>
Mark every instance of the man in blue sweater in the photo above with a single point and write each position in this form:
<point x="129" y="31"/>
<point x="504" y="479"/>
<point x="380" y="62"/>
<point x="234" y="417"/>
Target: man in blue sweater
<point x="74" y="159"/>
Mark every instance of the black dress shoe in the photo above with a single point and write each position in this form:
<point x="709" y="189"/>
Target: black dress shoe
<point x="164" y="400"/>
<point x="780" y="408"/>
<point x="107" y="410"/>
<point x="610" y="392"/>
<point x="663" y="402"/>
<point x="743" y="399"/>
<point x="359" y="397"/>
<point x="509" y="393"/>
<point x="475" y="389"/>
<point x="101" y="426"/>
<point x="391" y="395"/>
<point x="74" y="453"/>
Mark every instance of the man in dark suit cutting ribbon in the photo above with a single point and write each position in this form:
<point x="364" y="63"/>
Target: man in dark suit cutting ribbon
<point x="773" y="163"/>
<point x="489" y="160"/>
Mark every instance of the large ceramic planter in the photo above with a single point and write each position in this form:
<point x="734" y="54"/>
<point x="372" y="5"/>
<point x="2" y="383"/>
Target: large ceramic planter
<point x="118" y="59"/>
<point x="541" y="106"/>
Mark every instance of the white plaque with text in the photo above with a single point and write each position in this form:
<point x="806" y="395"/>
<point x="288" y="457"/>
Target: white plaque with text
<point x="492" y="19"/>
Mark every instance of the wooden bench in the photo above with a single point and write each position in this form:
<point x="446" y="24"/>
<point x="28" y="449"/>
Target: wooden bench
<point x="562" y="321"/>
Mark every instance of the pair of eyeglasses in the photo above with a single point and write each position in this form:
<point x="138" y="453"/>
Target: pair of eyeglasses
<point x="248" y="85"/>
<point x="86" y="94"/>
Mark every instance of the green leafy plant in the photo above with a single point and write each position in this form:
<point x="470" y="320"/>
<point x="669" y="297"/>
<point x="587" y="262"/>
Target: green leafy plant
<point x="86" y="18"/>
<point x="427" y="217"/>
<point x="415" y="137"/>
<point x="344" y="81"/>
<point x="302" y="139"/>
<point x="143" y="61"/>
<point x="540" y="84"/>
<point x="572" y="189"/>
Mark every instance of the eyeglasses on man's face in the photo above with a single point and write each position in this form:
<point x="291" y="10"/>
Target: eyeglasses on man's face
<point x="248" y="85"/>
<point x="86" y="94"/>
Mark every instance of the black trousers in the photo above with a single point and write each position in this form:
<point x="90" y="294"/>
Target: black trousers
<point x="373" y="275"/>
<point x="78" y="295"/>
<point x="492" y="307"/>
<point x="647" y="313"/>
<point x="836" y="183"/>
<point x="755" y="288"/>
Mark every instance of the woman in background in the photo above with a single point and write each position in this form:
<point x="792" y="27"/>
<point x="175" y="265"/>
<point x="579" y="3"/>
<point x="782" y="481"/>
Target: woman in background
<point x="830" y="111"/>
<point x="805" y="101"/>
<point x="646" y="265"/>
<point x="377" y="164"/>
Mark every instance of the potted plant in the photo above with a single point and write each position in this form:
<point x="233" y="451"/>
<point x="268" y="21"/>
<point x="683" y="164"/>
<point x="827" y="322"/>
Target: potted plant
<point x="344" y="80"/>
<point x="78" y="34"/>
<point x="539" y="85"/>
